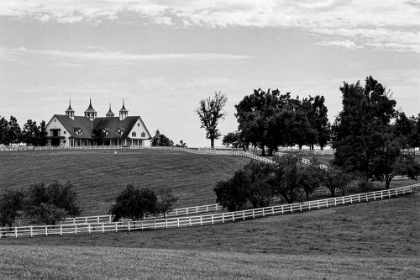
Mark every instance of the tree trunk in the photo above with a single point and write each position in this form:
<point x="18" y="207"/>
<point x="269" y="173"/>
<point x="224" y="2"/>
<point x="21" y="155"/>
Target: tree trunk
<point x="262" y="150"/>
<point x="212" y="142"/>
<point x="387" y="182"/>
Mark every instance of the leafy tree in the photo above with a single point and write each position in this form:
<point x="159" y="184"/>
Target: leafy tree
<point x="161" y="140"/>
<point x="210" y="111"/>
<point x="335" y="178"/>
<point x="310" y="177"/>
<point x="285" y="179"/>
<point x="30" y="133"/>
<point x="11" y="206"/>
<point x="259" y="191"/>
<point x="98" y="135"/>
<point x="165" y="200"/>
<point x="234" y="139"/>
<point x="13" y="132"/>
<point x="317" y="114"/>
<point x="135" y="203"/>
<point x="41" y="140"/>
<point x="51" y="204"/>
<point x="181" y="144"/>
<point x="232" y="193"/>
<point x="360" y="126"/>
<point x="389" y="161"/>
<point x="4" y="127"/>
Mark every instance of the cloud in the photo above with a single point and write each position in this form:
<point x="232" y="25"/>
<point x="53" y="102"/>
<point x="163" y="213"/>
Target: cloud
<point x="346" y="43"/>
<point x="317" y="17"/>
<point x="107" y="57"/>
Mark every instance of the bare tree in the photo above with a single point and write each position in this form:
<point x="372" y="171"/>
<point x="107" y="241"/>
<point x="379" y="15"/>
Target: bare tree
<point x="210" y="112"/>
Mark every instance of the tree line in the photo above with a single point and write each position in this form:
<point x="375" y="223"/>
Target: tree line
<point x="30" y="133"/>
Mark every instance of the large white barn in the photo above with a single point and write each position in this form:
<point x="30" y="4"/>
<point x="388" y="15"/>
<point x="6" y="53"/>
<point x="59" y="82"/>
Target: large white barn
<point x="69" y="130"/>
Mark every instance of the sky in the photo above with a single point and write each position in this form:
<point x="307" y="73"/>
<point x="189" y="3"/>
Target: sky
<point x="163" y="56"/>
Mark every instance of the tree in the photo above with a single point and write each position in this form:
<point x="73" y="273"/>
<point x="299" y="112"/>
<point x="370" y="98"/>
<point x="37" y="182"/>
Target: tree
<point x="161" y="140"/>
<point x="4" y="127"/>
<point x="30" y="133"/>
<point x="234" y="139"/>
<point x="181" y="144"/>
<point x="258" y="190"/>
<point x="285" y="179"/>
<point x="232" y="193"/>
<point x="317" y="114"/>
<point x="13" y="132"/>
<point x="165" y="200"/>
<point x="210" y="111"/>
<point x="335" y="178"/>
<point x="359" y="128"/>
<point x="42" y="141"/>
<point x="11" y="206"/>
<point x="135" y="203"/>
<point x="51" y="204"/>
<point x="389" y="161"/>
<point x="98" y="135"/>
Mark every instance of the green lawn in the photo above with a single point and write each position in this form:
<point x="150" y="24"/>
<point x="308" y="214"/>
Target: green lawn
<point x="375" y="240"/>
<point x="100" y="175"/>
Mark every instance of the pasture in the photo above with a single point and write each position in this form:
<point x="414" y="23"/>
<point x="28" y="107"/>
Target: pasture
<point x="375" y="240"/>
<point x="99" y="175"/>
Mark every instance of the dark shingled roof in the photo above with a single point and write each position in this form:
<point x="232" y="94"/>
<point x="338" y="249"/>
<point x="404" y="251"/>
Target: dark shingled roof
<point x="110" y="124"/>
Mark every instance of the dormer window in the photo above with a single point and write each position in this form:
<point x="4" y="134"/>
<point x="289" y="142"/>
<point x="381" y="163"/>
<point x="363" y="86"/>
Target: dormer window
<point x="120" y="131"/>
<point x="77" y="131"/>
<point x="105" y="131"/>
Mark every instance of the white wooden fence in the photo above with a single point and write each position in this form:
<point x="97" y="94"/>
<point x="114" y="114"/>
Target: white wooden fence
<point x="174" y="213"/>
<point x="30" y="231"/>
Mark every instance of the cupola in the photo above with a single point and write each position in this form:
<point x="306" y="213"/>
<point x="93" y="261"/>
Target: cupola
<point x="70" y="112"/>
<point x="90" y="113"/>
<point x="123" y="112"/>
<point x="110" y="114"/>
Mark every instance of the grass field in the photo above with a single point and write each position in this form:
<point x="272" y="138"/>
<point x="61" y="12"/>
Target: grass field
<point x="99" y="175"/>
<point x="375" y="240"/>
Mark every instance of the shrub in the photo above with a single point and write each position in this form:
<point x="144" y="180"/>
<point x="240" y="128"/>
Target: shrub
<point x="135" y="203"/>
<point x="232" y="193"/>
<point x="11" y="206"/>
<point x="51" y="204"/>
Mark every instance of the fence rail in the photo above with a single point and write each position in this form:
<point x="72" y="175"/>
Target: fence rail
<point x="174" y="213"/>
<point x="30" y="231"/>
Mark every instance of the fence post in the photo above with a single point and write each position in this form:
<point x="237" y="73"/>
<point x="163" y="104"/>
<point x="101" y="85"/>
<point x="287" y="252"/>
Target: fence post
<point x="154" y="223"/>
<point x="389" y="193"/>
<point x="116" y="227"/>
<point x="46" y="231"/>
<point x="89" y="228"/>
<point x="190" y="221"/>
<point x="300" y="206"/>
<point x="61" y="229"/>
<point x="16" y="232"/>
<point x="141" y="224"/>
<point x="282" y="209"/>
<point x="201" y="220"/>
<point x="103" y="227"/>
<point x="263" y="212"/>
<point x="177" y="220"/>
<point x="253" y="213"/>
<point x="366" y="197"/>
<point x="75" y="228"/>
<point x="223" y="217"/>
<point x="110" y="218"/>
<point x="351" y="200"/>
<point x="128" y="225"/>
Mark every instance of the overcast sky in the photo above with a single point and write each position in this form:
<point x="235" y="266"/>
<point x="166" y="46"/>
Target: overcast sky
<point x="163" y="57"/>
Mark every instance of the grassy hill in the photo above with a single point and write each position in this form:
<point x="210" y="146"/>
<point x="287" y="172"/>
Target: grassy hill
<point x="99" y="175"/>
<point x="375" y="240"/>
